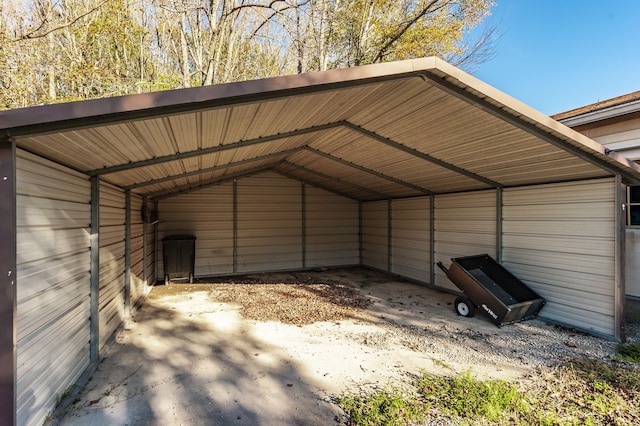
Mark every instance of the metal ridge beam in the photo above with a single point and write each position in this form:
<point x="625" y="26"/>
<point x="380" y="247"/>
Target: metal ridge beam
<point x="212" y="150"/>
<point x="369" y="171"/>
<point x="213" y="168"/>
<point x="421" y="155"/>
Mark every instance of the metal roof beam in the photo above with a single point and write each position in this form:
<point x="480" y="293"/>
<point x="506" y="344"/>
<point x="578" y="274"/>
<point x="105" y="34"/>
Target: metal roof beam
<point x="421" y="155"/>
<point x="212" y="150"/>
<point x="369" y="171"/>
<point x="212" y="169"/>
<point x="338" y="180"/>
<point x="182" y="189"/>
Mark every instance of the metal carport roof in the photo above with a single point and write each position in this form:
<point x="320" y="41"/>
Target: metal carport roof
<point x="374" y="132"/>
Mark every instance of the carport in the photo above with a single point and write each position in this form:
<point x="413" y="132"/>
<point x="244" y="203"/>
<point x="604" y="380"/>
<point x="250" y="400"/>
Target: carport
<point x="391" y="166"/>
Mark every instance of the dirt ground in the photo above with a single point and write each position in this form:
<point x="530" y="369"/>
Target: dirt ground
<point x="276" y="349"/>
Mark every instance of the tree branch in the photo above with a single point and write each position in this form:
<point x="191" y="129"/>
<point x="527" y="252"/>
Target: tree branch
<point x="32" y="34"/>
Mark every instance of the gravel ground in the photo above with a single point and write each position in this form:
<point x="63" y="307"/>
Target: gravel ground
<point x="276" y="349"/>
<point x="307" y="297"/>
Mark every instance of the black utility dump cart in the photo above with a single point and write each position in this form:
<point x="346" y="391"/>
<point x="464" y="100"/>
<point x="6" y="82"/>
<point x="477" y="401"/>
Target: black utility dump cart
<point x="178" y="256"/>
<point x="487" y="285"/>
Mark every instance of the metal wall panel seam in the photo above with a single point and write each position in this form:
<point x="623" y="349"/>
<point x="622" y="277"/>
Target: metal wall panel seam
<point x="127" y="256"/>
<point x="389" y="237"/>
<point x="620" y="256"/>
<point x="235" y="226"/>
<point x="156" y="227"/>
<point x="360" y="204"/>
<point x="95" y="269"/>
<point x="304" y="224"/>
<point x="144" y="245"/>
<point x="8" y="283"/>
<point x="432" y="234"/>
<point x="499" y="203"/>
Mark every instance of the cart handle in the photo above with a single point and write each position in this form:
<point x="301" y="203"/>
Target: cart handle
<point x="444" y="268"/>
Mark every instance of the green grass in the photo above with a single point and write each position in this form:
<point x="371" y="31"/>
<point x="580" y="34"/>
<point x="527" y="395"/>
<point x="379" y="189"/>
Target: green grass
<point x="629" y="351"/>
<point x="580" y="392"/>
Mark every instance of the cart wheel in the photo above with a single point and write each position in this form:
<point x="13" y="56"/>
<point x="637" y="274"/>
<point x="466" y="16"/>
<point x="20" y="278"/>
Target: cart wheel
<point x="464" y="307"/>
<point x="166" y="279"/>
<point x="190" y="277"/>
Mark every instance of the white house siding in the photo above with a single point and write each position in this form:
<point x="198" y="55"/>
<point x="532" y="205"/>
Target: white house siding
<point x="207" y="214"/>
<point x="560" y="240"/>
<point x="138" y="285"/>
<point x="53" y="274"/>
<point x="410" y="238"/>
<point x="331" y="226"/>
<point x="112" y="266"/>
<point x="465" y="225"/>
<point x="375" y="235"/>
<point x="269" y="223"/>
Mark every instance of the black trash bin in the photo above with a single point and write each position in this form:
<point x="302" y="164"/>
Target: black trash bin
<point x="178" y="256"/>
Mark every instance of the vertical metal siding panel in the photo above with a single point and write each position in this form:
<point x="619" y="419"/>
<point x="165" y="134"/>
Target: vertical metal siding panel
<point x="410" y="239"/>
<point x="465" y="225"/>
<point x="331" y="228"/>
<point x="138" y="289"/>
<point x="52" y="283"/>
<point x="207" y="214"/>
<point x="560" y="240"/>
<point x="112" y="268"/>
<point x="375" y="234"/>
<point x="269" y="223"/>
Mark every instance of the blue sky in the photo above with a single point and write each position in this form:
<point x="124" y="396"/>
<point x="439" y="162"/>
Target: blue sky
<point x="556" y="55"/>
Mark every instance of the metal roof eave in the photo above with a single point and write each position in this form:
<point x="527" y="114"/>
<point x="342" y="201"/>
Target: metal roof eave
<point x="76" y="115"/>
<point x="492" y="100"/>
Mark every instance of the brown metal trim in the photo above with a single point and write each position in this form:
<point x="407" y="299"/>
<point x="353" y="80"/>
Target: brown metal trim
<point x="91" y="113"/>
<point x="8" y="281"/>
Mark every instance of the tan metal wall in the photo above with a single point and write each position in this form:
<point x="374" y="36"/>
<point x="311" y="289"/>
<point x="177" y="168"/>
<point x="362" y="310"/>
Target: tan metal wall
<point x="112" y="265"/>
<point x="465" y="225"/>
<point x="331" y="224"/>
<point x="269" y="223"/>
<point x="410" y="238"/>
<point x="269" y="226"/>
<point x="139" y="285"/>
<point x="375" y="235"/>
<point x="207" y="214"/>
<point x="53" y="260"/>
<point x="560" y="240"/>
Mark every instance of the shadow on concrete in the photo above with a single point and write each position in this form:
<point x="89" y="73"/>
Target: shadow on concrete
<point x="176" y="365"/>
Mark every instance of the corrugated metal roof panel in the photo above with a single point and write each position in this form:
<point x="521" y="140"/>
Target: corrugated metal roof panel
<point x="421" y="122"/>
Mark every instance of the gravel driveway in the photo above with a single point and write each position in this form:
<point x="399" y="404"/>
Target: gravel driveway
<point x="275" y="349"/>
